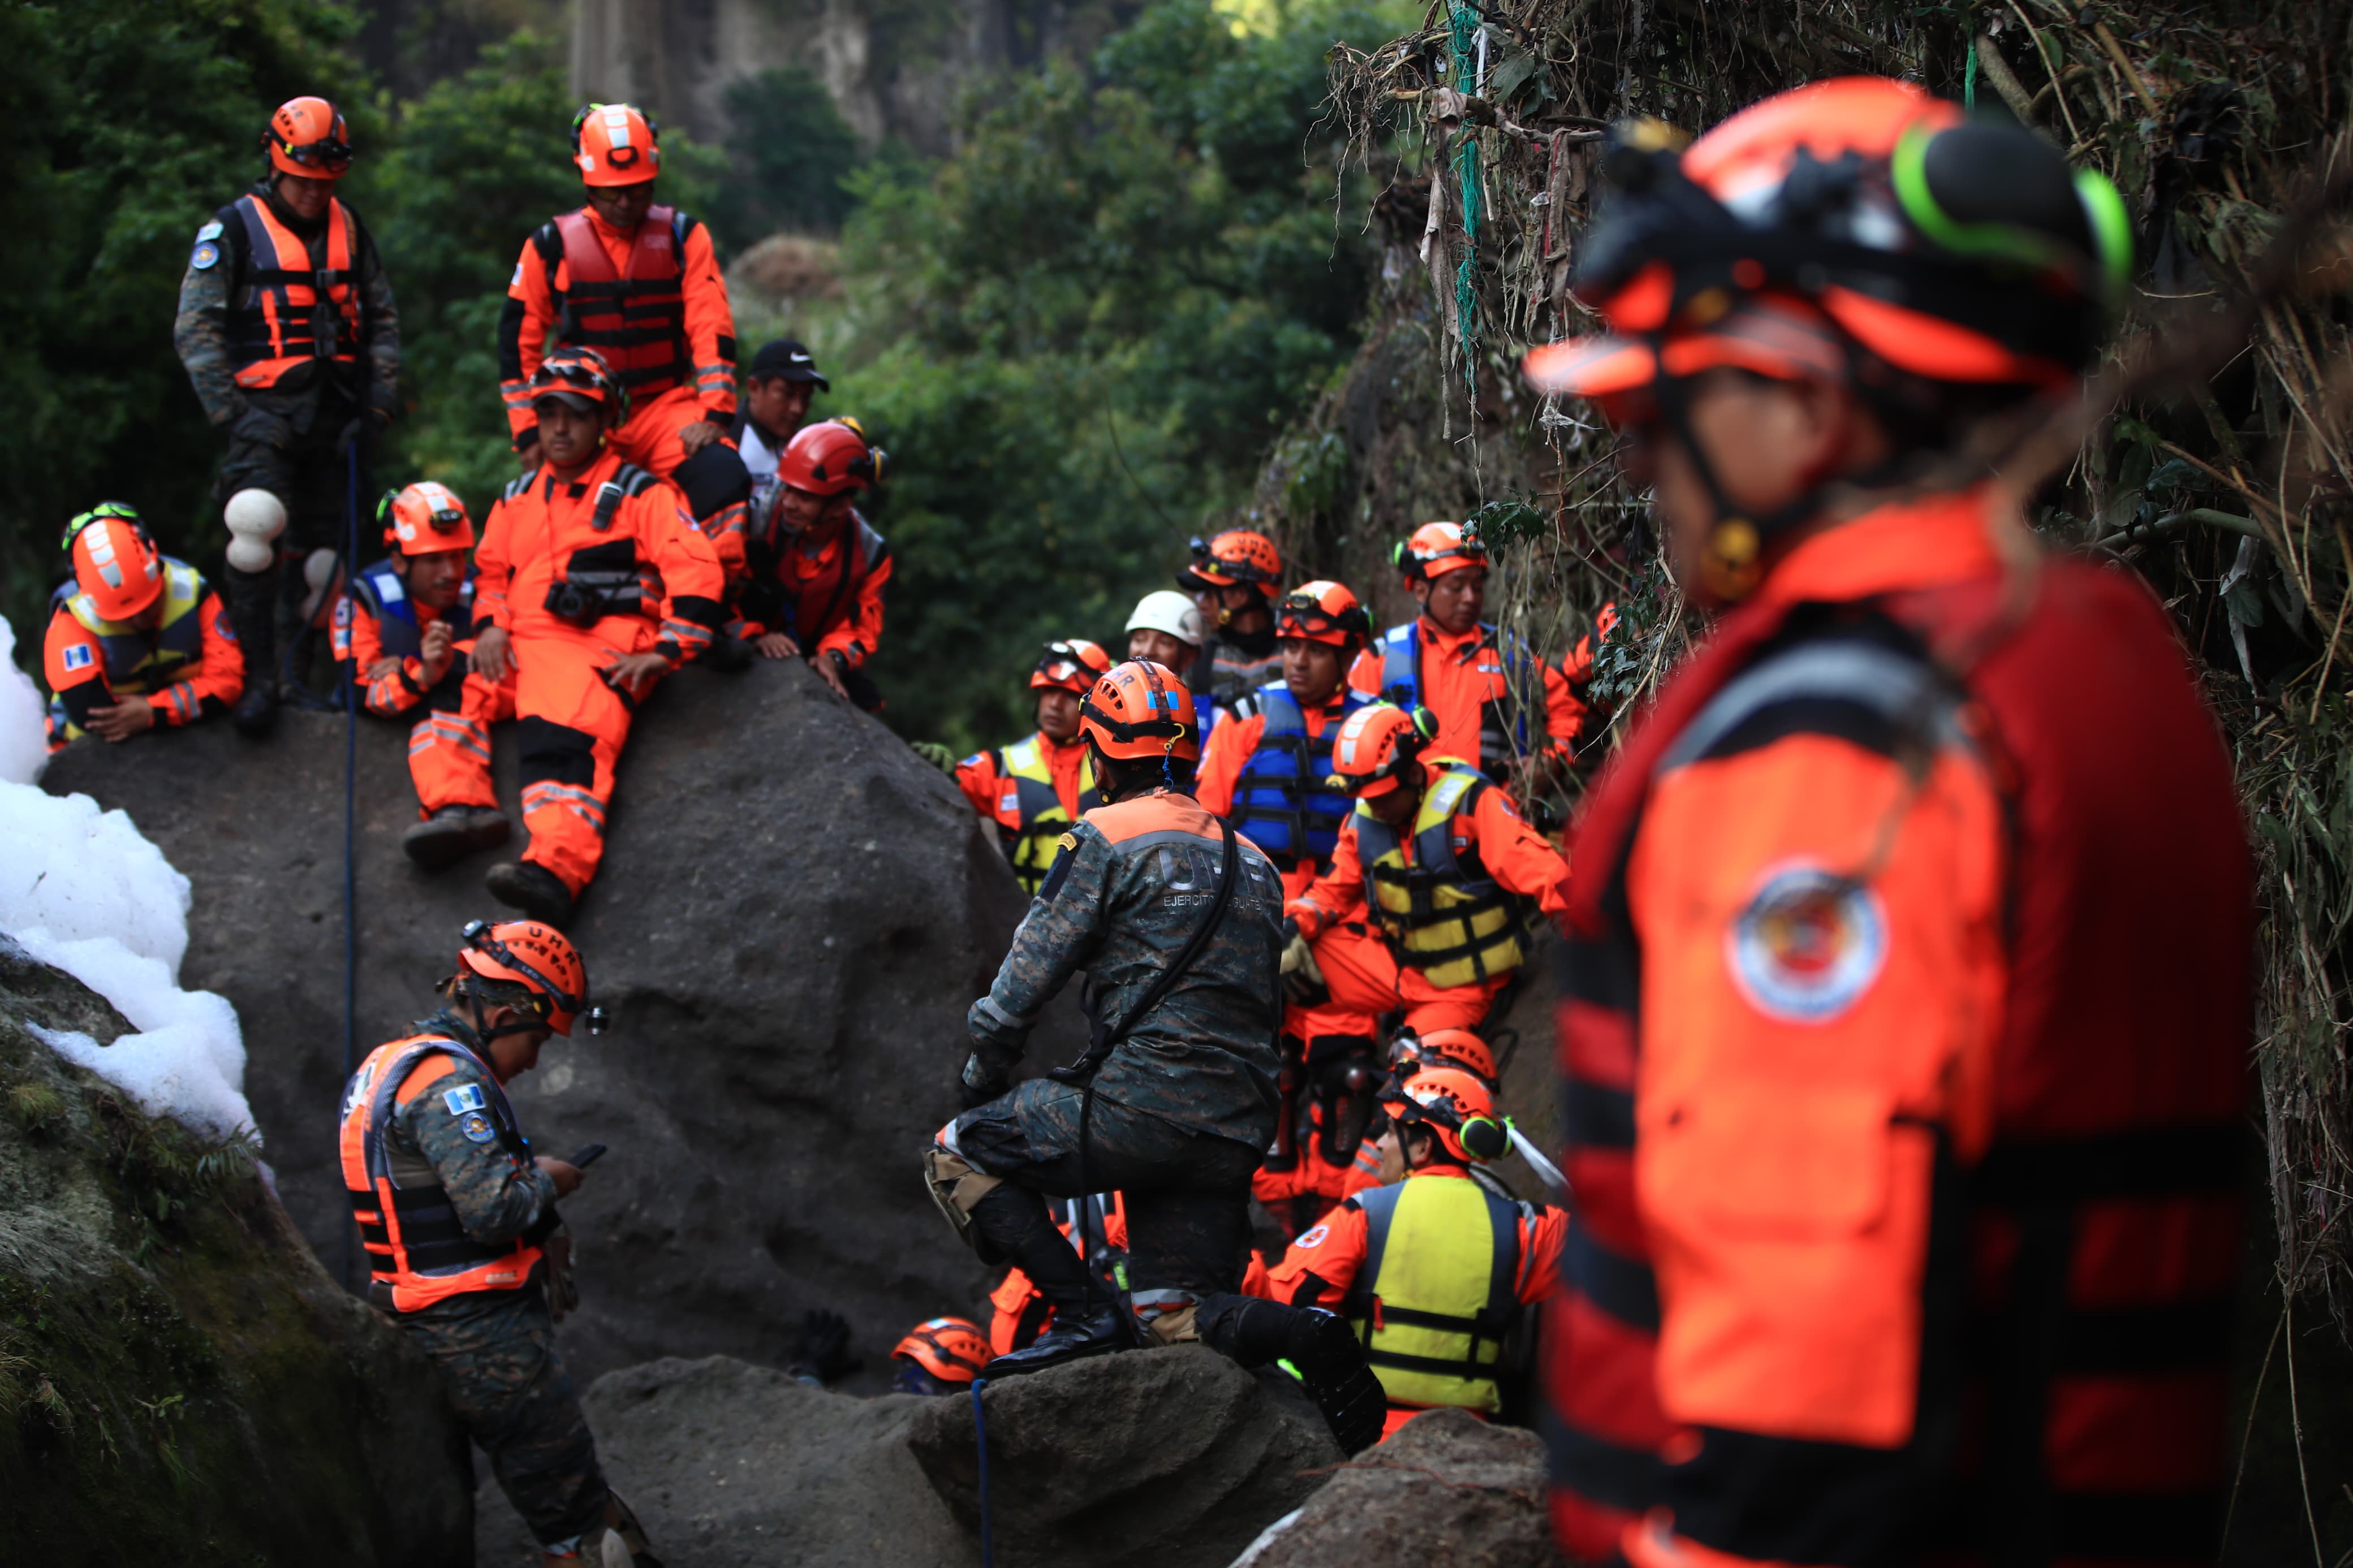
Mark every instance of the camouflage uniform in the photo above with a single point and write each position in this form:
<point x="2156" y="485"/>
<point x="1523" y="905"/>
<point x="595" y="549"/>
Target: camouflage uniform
<point x="291" y="439"/>
<point x="1180" y="1111"/>
<point x="497" y="1348"/>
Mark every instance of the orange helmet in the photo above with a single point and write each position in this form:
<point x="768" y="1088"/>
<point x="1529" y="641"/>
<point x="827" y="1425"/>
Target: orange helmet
<point x="424" y="520"/>
<point x="1237" y="555"/>
<point x="540" y="959"/>
<point x="831" y="456"/>
<point x="616" y="144"/>
<point x="581" y="377"/>
<point x="1323" y="611"/>
<point x="1455" y="1105"/>
<point x="115" y="560"/>
<point x="1838" y="223"/>
<point x="1436" y="549"/>
<point x="307" y="138"/>
<point x="1141" y="710"/>
<point x="952" y="1349"/>
<point x="1072" y="665"/>
<point x="1375" y="746"/>
<point x="1417" y="1053"/>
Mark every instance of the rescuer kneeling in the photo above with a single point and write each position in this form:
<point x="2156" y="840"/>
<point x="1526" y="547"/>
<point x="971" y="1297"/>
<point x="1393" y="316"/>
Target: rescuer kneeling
<point x="466" y="1251"/>
<point x="1177" y="919"/>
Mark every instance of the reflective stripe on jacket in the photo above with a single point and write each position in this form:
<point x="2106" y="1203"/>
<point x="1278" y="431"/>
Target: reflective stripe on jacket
<point x="1440" y="908"/>
<point x="1438" y="1290"/>
<point x="418" y="1252"/>
<point x="1280" y="799"/>
<point x="292" y="309"/>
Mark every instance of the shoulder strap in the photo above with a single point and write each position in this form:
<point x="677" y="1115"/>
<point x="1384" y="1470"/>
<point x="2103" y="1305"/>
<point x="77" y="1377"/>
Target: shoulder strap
<point x="632" y="478"/>
<point x="1379" y="1206"/>
<point x="1106" y="1036"/>
<point x="609" y="496"/>
<point x="519" y="487"/>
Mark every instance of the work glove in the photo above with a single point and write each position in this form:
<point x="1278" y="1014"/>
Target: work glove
<point x="981" y="1081"/>
<point x="821" y="1354"/>
<point x="1303" y="980"/>
<point x="263" y="426"/>
<point x="563" y="1286"/>
<point x="938" y="755"/>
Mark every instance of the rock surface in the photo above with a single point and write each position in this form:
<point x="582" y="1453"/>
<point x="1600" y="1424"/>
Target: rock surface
<point x="793" y="914"/>
<point x="1449" y="1488"/>
<point x="1172" y="1458"/>
<point x="179" y="1380"/>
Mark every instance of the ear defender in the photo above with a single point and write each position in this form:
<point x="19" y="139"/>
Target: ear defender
<point x="1483" y="1138"/>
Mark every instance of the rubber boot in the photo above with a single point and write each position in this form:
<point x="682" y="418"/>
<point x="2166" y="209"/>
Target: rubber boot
<point x="535" y="889"/>
<point x="1088" y="1319"/>
<point x="253" y="611"/>
<point x="454" y="832"/>
<point x="1320" y="1348"/>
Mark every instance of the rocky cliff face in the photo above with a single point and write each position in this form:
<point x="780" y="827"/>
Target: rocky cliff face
<point x="179" y="1380"/>
<point x="794" y="916"/>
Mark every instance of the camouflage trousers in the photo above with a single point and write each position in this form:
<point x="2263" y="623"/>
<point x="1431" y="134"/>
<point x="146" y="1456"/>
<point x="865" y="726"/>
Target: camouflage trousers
<point x="1187" y="1192"/>
<point x="508" y="1384"/>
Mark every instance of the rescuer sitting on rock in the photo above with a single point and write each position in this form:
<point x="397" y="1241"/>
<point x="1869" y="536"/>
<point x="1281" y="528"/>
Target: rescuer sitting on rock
<point x="1234" y="579"/>
<point x="591" y="584"/>
<point x="1432" y="1268"/>
<point x="1035" y="789"/>
<point x="1165" y="629"/>
<point x="1176" y="917"/>
<point x="1442" y="863"/>
<point x="136" y="638"/>
<point x="814" y="569"/>
<point x="466" y="1251"/>
<point x="406" y="630"/>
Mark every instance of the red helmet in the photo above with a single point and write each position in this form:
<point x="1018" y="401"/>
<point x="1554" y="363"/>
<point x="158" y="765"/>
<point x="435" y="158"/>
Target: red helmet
<point x="581" y="377"/>
<point x="1072" y="665"/>
<point x="831" y="456"/>
<point x="1237" y="555"/>
<point x="540" y="958"/>
<point x="952" y="1349"/>
<point x="1857" y="214"/>
<point x="115" y="562"/>
<point x="1455" y="1105"/>
<point x="616" y="144"/>
<point x="425" y="520"/>
<point x="1417" y="1053"/>
<point x="307" y="137"/>
<point x="1375" y="746"/>
<point x="1324" y="612"/>
<point x="1436" y="549"/>
<point x="1141" y="710"/>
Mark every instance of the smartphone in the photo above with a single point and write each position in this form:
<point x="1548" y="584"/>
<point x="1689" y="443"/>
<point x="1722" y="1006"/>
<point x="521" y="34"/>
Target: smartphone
<point x="587" y="1157"/>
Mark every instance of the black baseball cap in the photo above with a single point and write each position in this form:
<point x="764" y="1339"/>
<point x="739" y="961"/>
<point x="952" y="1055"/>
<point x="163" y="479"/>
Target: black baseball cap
<point x="788" y="359"/>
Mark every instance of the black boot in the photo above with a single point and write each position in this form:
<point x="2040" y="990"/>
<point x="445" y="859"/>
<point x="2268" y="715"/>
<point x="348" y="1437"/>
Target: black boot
<point x="253" y="611"/>
<point x="535" y="889"/>
<point x="1320" y="1348"/>
<point x="454" y="832"/>
<point x="1088" y="1319"/>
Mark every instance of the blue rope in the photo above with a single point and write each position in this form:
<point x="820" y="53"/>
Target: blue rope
<point x="351" y="796"/>
<point x="980" y="1439"/>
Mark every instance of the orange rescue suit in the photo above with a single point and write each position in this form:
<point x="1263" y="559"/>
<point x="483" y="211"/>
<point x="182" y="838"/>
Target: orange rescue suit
<point x="1904" y="1017"/>
<point x="1465" y="679"/>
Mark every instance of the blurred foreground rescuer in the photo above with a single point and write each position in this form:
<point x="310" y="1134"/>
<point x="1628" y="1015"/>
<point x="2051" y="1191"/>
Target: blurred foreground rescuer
<point x="1903" y="1067"/>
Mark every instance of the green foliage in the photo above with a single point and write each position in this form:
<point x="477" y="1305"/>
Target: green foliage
<point x="792" y="152"/>
<point x="1078" y="336"/>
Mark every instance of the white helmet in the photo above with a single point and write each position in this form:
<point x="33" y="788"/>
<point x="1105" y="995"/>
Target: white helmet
<point x="1166" y="610"/>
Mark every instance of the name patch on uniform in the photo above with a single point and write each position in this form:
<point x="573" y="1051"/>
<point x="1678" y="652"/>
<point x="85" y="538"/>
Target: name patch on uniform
<point x="1312" y="1236"/>
<point x="478" y="1129"/>
<point x="459" y="1100"/>
<point x="79" y="657"/>
<point x="205" y="255"/>
<point x="1809" y="944"/>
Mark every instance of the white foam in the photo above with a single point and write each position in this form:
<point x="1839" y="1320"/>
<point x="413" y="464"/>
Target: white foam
<point x="81" y="890"/>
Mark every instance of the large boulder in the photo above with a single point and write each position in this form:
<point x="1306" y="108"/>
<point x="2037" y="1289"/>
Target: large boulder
<point x="180" y="1382"/>
<point x="1449" y="1488"/>
<point x="793" y="914"/>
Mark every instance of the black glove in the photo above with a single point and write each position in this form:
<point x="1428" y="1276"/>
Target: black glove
<point x="1290" y="931"/>
<point x="263" y="427"/>
<point x="364" y="426"/>
<point x="822" y="1351"/>
<point x="981" y="1082"/>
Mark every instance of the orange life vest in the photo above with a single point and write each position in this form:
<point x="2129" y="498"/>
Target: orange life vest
<point x="635" y="316"/>
<point x="418" y="1253"/>
<point x="292" y="311"/>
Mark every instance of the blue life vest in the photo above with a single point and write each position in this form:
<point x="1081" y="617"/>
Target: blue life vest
<point x="384" y="595"/>
<point x="1281" y="800"/>
<point x="1502" y="737"/>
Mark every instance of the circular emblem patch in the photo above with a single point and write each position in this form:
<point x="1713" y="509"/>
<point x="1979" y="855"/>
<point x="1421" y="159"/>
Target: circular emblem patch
<point x="204" y="256"/>
<point x="1314" y="1238"/>
<point x="1808" y="945"/>
<point x="478" y="1129"/>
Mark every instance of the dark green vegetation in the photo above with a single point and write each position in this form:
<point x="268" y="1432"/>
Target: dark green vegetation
<point x="178" y="1379"/>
